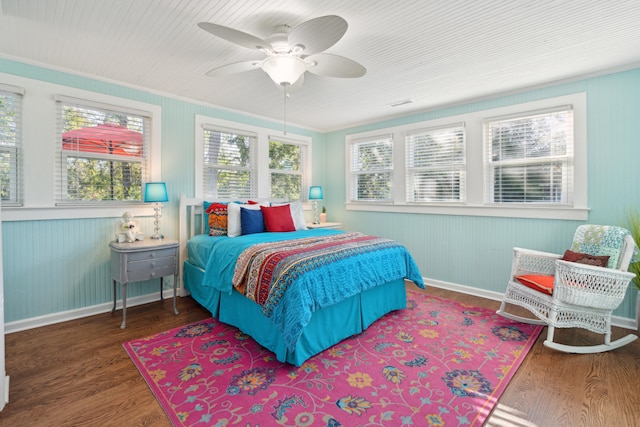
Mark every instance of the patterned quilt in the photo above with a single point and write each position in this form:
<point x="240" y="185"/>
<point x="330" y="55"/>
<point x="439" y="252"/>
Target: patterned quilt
<point x="291" y="279"/>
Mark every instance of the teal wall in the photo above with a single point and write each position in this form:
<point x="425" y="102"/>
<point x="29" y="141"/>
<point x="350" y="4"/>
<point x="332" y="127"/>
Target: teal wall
<point x="54" y="266"/>
<point x="59" y="265"/>
<point x="476" y="251"/>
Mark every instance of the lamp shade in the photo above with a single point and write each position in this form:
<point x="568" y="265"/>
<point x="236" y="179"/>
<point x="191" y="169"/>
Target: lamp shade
<point x="284" y="69"/>
<point x="156" y="192"/>
<point x="315" y="192"/>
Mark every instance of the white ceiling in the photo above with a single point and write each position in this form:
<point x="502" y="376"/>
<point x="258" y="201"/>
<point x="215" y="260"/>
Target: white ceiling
<point x="434" y="52"/>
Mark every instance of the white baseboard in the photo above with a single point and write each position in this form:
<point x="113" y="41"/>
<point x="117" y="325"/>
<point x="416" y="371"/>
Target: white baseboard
<point x="463" y="289"/>
<point x="50" y="319"/>
<point x="5" y="398"/>
<point x="63" y="316"/>
<point x="622" y="322"/>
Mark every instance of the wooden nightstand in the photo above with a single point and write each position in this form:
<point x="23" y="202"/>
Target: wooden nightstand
<point x="141" y="261"/>
<point x="324" y="225"/>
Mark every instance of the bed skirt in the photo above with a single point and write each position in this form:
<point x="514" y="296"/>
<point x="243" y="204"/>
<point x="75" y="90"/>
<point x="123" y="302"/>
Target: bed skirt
<point x="327" y="327"/>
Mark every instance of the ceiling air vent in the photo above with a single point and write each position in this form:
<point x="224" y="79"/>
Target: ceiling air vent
<point x="399" y="103"/>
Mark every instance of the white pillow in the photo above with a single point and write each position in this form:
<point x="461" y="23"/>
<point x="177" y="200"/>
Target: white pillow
<point x="234" y="227"/>
<point x="297" y="214"/>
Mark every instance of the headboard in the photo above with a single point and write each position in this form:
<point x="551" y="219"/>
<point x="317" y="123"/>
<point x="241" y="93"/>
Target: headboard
<point x="192" y="223"/>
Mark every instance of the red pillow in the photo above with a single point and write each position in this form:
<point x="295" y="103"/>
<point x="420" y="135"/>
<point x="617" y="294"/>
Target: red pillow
<point x="598" y="261"/>
<point x="539" y="282"/>
<point x="277" y="218"/>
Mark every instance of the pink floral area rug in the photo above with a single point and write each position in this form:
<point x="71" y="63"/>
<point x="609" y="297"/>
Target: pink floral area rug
<point x="436" y="363"/>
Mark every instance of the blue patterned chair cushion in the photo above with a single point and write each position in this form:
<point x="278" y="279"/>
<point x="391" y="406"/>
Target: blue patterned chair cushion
<point x="600" y="240"/>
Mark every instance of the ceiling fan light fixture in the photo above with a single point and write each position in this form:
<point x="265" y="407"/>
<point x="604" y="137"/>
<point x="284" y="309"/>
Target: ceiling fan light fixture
<point x="284" y="69"/>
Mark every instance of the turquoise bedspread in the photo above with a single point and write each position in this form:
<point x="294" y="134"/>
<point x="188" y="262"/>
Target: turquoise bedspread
<point x="321" y="287"/>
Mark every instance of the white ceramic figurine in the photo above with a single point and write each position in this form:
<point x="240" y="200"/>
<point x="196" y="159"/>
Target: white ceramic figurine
<point x="127" y="230"/>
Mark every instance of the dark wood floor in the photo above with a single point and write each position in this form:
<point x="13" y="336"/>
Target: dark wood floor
<point x="78" y="374"/>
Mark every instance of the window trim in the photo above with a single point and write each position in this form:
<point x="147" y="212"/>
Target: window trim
<point x="62" y="154"/>
<point x="365" y="138"/>
<point x="252" y="168"/>
<point x="490" y="165"/>
<point x="38" y="133"/>
<point x="475" y="204"/>
<point x="16" y="177"/>
<point x="261" y="153"/>
<point x="461" y="167"/>
<point x="304" y="164"/>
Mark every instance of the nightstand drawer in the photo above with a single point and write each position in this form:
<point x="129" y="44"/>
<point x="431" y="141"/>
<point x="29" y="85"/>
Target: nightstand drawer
<point x="158" y="253"/>
<point x="145" y="271"/>
<point x="150" y="264"/>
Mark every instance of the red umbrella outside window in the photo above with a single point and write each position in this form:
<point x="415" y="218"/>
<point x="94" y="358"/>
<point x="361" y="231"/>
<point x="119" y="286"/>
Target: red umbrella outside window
<point x="107" y="138"/>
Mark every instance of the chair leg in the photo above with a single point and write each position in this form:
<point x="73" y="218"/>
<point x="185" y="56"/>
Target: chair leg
<point x="607" y="336"/>
<point x="550" y="331"/>
<point x="501" y="311"/>
<point x="502" y="307"/>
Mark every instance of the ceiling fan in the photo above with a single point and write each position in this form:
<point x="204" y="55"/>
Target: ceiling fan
<point x="290" y="52"/>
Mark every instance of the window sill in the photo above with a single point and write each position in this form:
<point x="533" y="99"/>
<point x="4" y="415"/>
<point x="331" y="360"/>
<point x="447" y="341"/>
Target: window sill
<point x="537" y="212"/>
<point x="74" y="212"/>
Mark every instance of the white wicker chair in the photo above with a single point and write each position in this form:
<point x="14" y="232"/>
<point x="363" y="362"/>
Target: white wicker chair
<point x="584" y="296"/>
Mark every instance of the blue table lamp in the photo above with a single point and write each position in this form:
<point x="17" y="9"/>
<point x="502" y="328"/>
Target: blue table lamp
<point x="315" y="194"/>
<point x="156" y="192"/>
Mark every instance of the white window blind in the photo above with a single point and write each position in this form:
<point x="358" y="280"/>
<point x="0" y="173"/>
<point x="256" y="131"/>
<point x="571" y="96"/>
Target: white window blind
<point x="435" y="168"/>
<point x="229" y="164"/>
<point x="529" y="157"/>
<point x="11" y="145"/>
<point x="103" y="152"/>
<point x="286" y="168"/>
<point x="371" y="169"/>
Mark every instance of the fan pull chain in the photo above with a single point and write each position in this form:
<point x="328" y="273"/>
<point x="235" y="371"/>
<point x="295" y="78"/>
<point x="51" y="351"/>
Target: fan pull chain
<point x="286" y="88"/>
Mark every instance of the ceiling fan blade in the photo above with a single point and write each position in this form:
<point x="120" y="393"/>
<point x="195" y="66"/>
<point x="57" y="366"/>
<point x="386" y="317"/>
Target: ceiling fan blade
<point x="330" y="65"/>
<point x="236" y="67"/>
<point x="318" y="34"/>
<point x="234" y="36"/>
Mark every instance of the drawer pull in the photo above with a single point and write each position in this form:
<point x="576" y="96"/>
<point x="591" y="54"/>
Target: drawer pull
<point x="153" y="264"/>
<point x="153" y="274"/>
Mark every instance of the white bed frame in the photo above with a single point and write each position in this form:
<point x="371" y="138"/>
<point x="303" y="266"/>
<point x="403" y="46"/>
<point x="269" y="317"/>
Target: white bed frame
<point x="192" y="222"/>
<point x="190" y="211"/>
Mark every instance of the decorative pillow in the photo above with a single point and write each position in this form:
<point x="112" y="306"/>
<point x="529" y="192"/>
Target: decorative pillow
<point x="580" y="258"/>
<point x="234" y="228"/>
<point x="216" y="221"/>
<point x="539" y="282"/>
<point x="600" y="240"/>
<point x="251" y="221"/>
<point x="278" y="218"/>
<point x="297" y="214"/>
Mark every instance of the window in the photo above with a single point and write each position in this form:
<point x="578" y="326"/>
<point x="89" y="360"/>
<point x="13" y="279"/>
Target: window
<point x="436" y="169"/>
<point x="10" y="145"/>
<point x="229" y="169"/>
<point x="48" y="182"/>
<point x="530" y="157"/>
<point x="286" y="168"/>
<point x="371" y="169"/>
<point x="525" y="160"/>
<point x="103" y="152"/>
<point x="240" y="161"/>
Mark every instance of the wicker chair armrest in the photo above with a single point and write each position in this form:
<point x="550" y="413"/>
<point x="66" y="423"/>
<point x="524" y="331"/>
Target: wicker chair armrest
<point x="527" y="261"/>
<point x="590" y="286"/>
